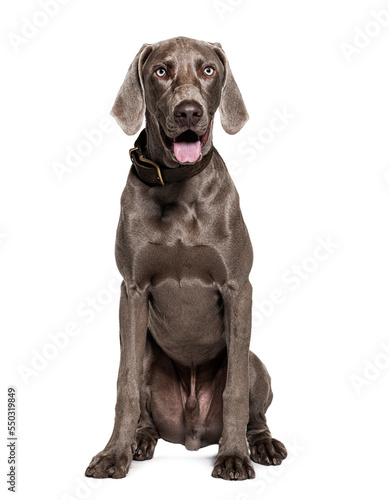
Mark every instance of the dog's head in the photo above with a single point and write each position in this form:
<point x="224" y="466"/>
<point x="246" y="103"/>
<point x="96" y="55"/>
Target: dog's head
<point x="180" y="83"/>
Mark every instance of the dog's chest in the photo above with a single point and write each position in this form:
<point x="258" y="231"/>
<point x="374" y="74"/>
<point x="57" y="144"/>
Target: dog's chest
<point x="176" y="242"/>
<point x="180" y="242"/>
<point x="181" y="251"/>
<point x="184" y="260"/>
<point x="174" y="222"/>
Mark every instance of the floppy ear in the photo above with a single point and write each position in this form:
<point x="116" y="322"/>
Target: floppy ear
<point x="233" y="112"/>
<point x="129" y="106"/>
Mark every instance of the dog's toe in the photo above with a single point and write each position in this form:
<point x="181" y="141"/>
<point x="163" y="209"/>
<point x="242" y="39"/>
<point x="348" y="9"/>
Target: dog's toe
<point x="106" y="465"/>
<point x="145" y="446"/>
<point x="268" y="451"/>
<point x="233" y="468"/>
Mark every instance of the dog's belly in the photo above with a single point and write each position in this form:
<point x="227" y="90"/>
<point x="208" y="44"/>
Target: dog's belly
<point x="186" y="318"/>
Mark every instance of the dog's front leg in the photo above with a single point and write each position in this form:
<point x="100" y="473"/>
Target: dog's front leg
<point x="233" y="461"/>
<point x="114" y="461"/>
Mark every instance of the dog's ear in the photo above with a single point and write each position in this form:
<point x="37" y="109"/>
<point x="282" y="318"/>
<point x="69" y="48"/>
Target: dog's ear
<point x="233" y="112"/>
<point x="129" y="106"/>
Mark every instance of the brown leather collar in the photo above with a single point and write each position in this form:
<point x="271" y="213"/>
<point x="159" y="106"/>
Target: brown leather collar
<point x="151" y="173"/>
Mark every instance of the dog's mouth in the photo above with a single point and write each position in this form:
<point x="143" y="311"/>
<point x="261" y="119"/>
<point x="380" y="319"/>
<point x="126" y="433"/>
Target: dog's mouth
<point x="187" y="146"/>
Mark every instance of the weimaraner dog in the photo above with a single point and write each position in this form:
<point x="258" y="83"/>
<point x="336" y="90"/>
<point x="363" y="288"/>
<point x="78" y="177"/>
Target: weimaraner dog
<point x="186" y="373"/>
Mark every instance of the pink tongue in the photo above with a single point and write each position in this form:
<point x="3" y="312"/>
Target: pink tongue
<point x="187" y="152"/>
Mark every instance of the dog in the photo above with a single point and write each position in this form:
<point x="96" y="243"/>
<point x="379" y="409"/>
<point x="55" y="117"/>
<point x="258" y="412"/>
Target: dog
<point x="186" y="373"/>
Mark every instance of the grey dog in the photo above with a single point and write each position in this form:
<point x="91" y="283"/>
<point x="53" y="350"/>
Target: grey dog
<point x="186" y="372"/>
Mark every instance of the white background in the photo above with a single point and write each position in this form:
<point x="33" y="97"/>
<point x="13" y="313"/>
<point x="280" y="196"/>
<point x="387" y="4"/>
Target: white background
<point x="324" y="175"/>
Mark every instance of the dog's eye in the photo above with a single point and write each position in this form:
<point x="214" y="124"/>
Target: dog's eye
<point x="161" y="72"/>
<point x="209" y="71"/>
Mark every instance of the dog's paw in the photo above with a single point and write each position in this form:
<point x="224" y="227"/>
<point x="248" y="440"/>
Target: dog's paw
<point x="145" y="446"/>
<point x="233" y="468"/>
<point x="267" y="451"/>
<point x="109" y="464"/>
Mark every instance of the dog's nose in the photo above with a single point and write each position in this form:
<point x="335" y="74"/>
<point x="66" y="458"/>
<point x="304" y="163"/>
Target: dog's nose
<point x="188" y="113"/>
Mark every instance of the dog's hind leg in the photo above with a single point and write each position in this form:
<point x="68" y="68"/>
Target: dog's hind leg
<point x="146" y="435"/>
<point x="263" y="448"/>
<point x="146" y="431"/>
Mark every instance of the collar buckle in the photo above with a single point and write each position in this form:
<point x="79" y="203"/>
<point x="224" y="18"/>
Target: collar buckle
<point x="139" y="160"/>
